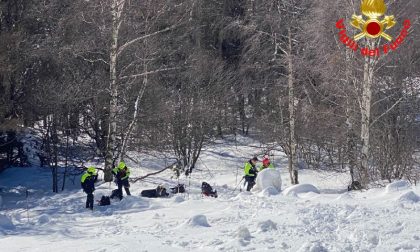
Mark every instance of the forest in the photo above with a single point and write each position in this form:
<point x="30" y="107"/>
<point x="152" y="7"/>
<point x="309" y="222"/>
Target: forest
<point x="101" y="78"/>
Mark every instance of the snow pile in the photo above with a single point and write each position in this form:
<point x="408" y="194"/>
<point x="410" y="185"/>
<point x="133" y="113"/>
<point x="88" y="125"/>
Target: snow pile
<point x="269" y="178"/>
<point x="198" y="221"/>
<point x="243" y="234"/>
<point x="269" y="191"/>
<point x="133" y="202"/>
<point x="397" y="186"/>
<point x="178" y="199"/>
<point x="6" y="223"/>
<point x="409" y="197"/>
<point x="303" y="188"/>
<point x="266" y="226"/>
<point x="313" y="247"/>
<point x="43" y="219"/>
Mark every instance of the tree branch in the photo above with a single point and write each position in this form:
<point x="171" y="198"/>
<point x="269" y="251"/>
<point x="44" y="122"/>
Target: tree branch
<point x="386" y="112"/>
<point x="134" y="180"/>
<point x="123" y="47"/>
<point x="150" y="72"/>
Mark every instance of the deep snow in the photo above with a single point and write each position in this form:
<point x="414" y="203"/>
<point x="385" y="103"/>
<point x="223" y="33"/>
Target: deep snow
<point x="319" y="215"/>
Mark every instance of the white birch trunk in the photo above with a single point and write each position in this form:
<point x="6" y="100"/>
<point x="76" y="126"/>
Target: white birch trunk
<point x="292" y="114"/>
<point x="116" y="11"/>
<point x="366" y="116"/>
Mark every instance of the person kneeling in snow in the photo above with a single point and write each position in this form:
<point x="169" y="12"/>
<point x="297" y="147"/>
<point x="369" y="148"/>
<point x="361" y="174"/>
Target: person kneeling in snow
<point x="266" y="164"/>
<point x="88" y="185"/>
<point x="250" y="173"/>
<point x="122" y="173"/>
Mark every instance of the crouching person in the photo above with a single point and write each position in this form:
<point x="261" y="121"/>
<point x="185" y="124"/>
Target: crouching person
<point x="122" y="173"/>
<point x="88" y="184"/>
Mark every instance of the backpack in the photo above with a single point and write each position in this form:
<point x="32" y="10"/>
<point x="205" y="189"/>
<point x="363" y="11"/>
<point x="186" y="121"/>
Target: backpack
<point x="105" y="201"/>
<point x="178" y="189"/>
<point x="161" y="192"/>
<point x="207" y="190"/>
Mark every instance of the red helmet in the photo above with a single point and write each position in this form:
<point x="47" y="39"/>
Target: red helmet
<point x="266" y="161"/>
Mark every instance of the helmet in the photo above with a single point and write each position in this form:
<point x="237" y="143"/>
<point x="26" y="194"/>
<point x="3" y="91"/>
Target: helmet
<point x="266" y="161"/>
<point x="121" y="165"/>
<point x="91" y="170"/>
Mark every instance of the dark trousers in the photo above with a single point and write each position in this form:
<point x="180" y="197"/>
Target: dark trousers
<point x="89" y="201"/>
<point x="126" y="185"/>
<point x="250" y="181"/>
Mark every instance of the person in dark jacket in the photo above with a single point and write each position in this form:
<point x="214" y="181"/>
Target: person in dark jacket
<point x="251" y="172"/>
<point x="88" y="184"/>
<point x="122" y="173"/>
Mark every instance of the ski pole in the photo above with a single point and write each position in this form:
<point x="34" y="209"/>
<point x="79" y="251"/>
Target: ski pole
<point x="238" y="185"/>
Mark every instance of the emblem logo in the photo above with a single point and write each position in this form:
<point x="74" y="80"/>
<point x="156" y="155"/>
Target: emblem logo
<point x="373" y="27"/>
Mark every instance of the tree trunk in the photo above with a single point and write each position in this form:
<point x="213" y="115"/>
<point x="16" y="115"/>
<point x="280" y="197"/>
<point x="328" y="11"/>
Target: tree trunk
<point x="366" y="115"/>
<point x="117" y="8"/>
<point x="292" y="114"/>
<point x="350" y="134"/>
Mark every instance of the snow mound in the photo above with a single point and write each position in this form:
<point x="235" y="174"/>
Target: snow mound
<point x="268" y="178"/>
<point x="344" y="197"/>
<point x="303" y="188"/>
<point x="6" y="223"/>
<point x="178" y="199"/>
<point x="243" y="234"/>
<point x="269" y="191"/>
<point x="198" y="221"/>
<point x="313" y="247"/>
<point x="409" y="197"/>
<point x="43" y="219"/>
<point x="266" y="226"/>
<point x="397" y="186"/>
<point x="132" y="202"/>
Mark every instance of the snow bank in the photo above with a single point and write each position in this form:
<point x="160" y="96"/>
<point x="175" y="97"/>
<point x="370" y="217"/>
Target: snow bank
<point x="6" y="223"/>
<point x="268" y="178"/>
<point x="303" y="188"/>
<point x="266" y="226"/>
<point x="409" y="197"/>
<point x="397" y="186"/>
<point x="198" y="221"/>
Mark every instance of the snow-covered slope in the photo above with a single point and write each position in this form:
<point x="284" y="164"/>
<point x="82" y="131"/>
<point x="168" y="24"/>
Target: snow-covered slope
<point x="384" y="219"/>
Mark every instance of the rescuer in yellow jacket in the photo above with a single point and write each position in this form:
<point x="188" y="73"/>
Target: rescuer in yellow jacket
<point x="122" y="173"/>
<point x="251" y="173"/>
<point x="88" y="184"/>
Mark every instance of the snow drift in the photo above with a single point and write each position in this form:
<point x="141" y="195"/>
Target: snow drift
<point x="6" y="223"/>
<point x="269" y="179"/>
<point x="303" y="188"/>
<point x="397" y="186"/>
<point x="409" y="197"/>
